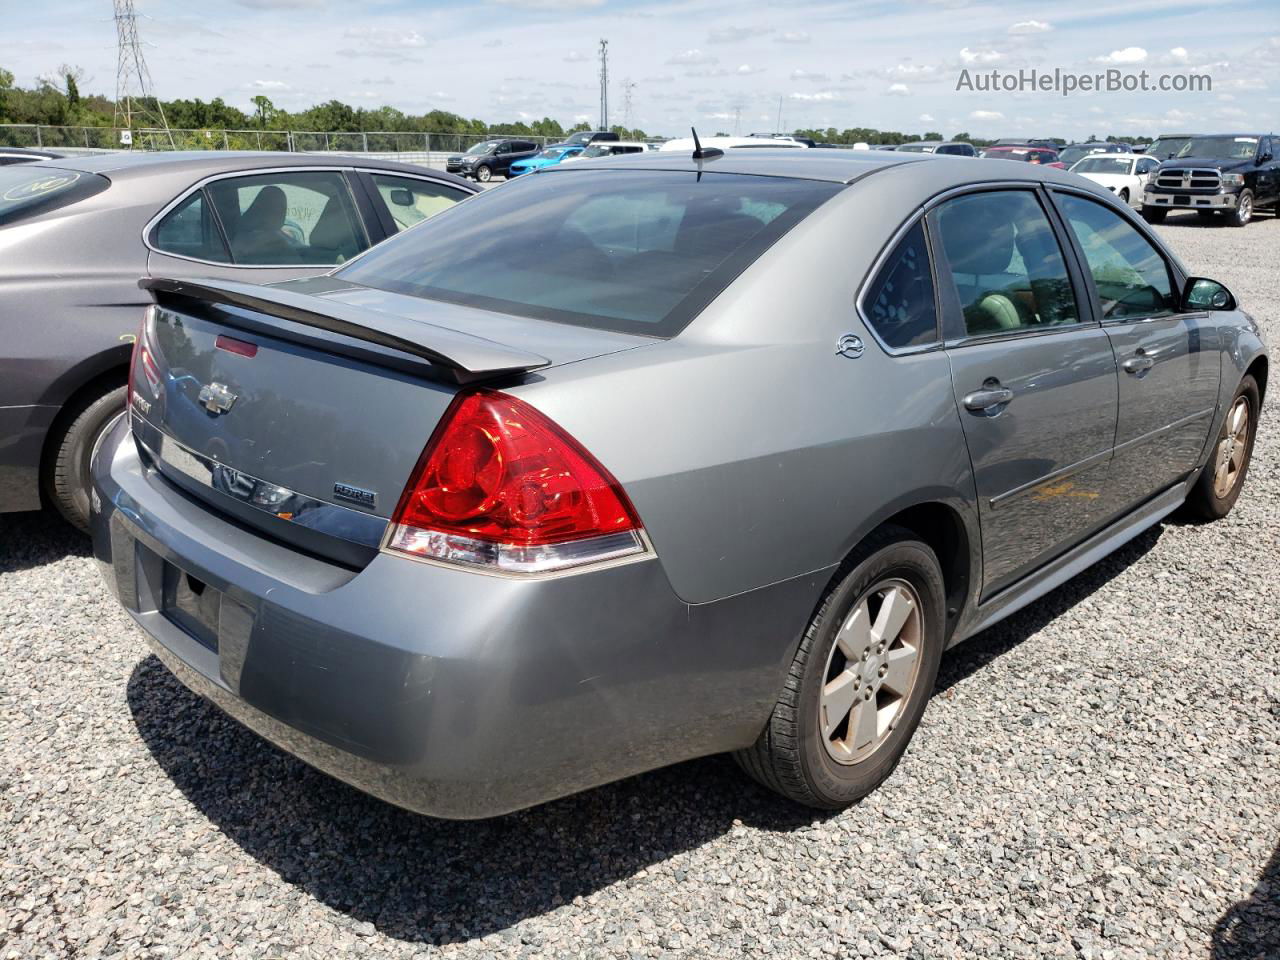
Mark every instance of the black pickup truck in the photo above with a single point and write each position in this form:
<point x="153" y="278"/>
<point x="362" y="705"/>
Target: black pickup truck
<point x="1236" y="174"/>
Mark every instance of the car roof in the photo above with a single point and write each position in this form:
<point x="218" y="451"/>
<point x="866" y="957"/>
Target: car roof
<point x="834" y="166"/>
<point x="207" y="162"/>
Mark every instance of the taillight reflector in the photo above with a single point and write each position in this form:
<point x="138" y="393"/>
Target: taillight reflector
<point x="500" y="485"/>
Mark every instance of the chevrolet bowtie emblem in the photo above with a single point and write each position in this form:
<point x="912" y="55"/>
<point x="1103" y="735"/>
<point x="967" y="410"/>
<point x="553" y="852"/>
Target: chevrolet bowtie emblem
<point x="216" y="398"/>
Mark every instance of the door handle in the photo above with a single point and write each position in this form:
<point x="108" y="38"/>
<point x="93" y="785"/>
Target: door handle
<point x="1139" y="364"/>
<point x="991" y="395"/>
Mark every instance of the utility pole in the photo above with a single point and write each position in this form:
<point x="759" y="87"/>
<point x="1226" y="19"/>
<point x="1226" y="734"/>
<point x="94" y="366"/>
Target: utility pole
<point x="627" y="86"/>
<point x="604" y="84"/>
<point x="778" y="128"/>
<point x="133" y="80"/>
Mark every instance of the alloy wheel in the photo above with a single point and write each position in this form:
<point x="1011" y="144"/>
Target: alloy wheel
<point x="1229" y="457"/>
<point x="871" y="671"/>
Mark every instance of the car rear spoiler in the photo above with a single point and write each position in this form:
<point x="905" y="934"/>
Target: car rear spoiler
<point x="465" y="355"/>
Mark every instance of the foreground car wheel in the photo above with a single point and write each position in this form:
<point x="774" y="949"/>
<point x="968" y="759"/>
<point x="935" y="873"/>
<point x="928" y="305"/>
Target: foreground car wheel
<point x="861" y="679"/>
<point x="1218" y="486"/>
<point x="67" y="484"/>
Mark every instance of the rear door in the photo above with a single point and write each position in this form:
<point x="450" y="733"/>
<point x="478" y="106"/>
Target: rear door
<point x="261" y="227"/>
<point x="1170" y="362"/>
<point x="1034" y="377"/>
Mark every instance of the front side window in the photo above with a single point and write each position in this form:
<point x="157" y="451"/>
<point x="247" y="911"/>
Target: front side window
<point x="1131" y="277"/>
<point x="283" y="219"/>
<point x="411" y="201"/>
<point x="1005" y="262"/>
<point x="189" y="230"/>
<point x="899" y="302"/>
<point x="637" y="251"/>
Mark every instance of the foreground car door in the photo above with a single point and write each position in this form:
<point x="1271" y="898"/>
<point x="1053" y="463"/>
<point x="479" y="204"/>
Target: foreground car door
<point x="1170" y="362"/>
<point x="1034" y="378"/>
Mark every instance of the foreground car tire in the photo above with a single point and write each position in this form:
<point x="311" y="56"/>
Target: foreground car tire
<point x="67" y="484"/>
<point x="860" y="680"/>
<point x="1218" y="486"/>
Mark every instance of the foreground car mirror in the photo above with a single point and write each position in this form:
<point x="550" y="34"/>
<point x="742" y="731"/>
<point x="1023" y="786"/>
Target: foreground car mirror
<point x="1200" y="293"/>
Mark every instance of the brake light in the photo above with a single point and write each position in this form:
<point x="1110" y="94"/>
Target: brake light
<point x="500" y="485"/>
<point x="143" y="357"/>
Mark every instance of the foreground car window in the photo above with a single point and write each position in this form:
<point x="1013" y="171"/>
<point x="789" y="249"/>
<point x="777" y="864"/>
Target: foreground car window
<point x="634" y="251"/>
<point x="1131" y="277"/>
<point x="29" y="190"/>
<point x="412" y="201"/>
<point x="1005" y="262"/>
<point x="899" y="302"/>
<point x="282" y="219"/>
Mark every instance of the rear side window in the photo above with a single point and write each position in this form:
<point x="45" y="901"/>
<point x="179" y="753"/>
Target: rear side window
<point x="411" y="201"/>
<point x="27" y="190"/>
<point x="283" y="219"/>
<point x="899" y="302"/>
<point x="189" y="230"/>
<point x="635" y="251"/>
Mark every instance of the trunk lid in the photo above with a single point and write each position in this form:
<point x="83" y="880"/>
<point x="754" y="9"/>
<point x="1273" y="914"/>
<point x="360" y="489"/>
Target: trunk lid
<point x="301" y="409"/>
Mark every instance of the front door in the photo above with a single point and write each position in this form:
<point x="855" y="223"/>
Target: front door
<point x="1034" y="379"/>
<point x="1169" y="362"/>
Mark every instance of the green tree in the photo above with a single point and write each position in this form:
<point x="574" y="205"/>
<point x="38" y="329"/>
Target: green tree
<point x="264" y="110"/>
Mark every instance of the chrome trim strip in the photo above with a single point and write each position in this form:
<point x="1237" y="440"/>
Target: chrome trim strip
<point x="332" y="519"/>
<point x="1190" y="418"/>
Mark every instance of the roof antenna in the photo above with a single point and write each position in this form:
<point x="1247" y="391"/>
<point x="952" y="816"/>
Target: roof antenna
<point x="704" y="153"/>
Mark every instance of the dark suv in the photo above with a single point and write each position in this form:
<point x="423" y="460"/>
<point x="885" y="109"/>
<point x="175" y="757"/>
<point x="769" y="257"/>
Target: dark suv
<point x="585" y="138"/>
<point x="491" y="158"/>
<point x="1231" y="173"/>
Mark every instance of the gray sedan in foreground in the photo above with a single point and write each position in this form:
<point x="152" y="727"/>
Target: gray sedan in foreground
<point x="639" y="460"/>
<point x="76" y="233"/>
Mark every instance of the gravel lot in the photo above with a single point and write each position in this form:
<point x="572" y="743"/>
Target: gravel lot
<point x="1098" y="777"/>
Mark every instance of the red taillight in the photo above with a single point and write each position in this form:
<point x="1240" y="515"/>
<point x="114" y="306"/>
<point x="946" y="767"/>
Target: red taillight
<point x="241" y="348"/>
<point x="143" y="357"/>
<point x="501" y="485"/>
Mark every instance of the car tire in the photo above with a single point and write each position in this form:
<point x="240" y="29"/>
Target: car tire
<point x="807" y="752"/>
<point x="67" y="483"/>
<point x="1154" y="214"/>
<point x="484" y="173"/>
<point x="1243" y="212"/>
<point x="1218" y="486"/>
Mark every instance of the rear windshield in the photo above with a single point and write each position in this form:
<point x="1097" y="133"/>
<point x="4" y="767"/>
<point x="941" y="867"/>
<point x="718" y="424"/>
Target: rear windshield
<point x="637" y="251"/>
<point x="27" y="189"/>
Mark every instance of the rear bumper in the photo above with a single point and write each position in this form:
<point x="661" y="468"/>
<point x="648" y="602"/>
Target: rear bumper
<point x="1190" y="201"/>
<point x="447" y="692"/>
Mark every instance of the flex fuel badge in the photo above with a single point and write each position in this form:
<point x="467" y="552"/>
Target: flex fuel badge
<point x="36" y="188"/>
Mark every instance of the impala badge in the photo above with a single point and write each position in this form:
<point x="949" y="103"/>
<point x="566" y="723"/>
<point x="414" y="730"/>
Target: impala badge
<point x="216" y="398"/>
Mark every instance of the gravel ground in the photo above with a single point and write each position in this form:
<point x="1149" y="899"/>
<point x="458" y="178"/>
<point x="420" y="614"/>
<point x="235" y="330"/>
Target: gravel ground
<point x="1098" y="777"/>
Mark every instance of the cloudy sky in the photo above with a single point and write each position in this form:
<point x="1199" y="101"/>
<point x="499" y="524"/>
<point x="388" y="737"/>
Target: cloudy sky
<point x="714" y="63"/>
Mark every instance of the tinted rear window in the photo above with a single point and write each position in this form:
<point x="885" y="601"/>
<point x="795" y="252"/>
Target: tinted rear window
<point x="634" y="251"/>
<point x="30" y="189"/>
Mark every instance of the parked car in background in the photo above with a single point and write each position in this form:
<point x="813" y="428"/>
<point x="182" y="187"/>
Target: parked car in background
<point x="957" y="148"/>
<point x="552" y="155"/>
<point x="685" y="144"/>
<point x="614" y="148"/>
<point x="582" y="522"/>
<point x="1141" y="147"/>
<point x="1034" y="142"/>
<point x="10" y="155"/>
<point x="1074" y="151"/>
<point x="1124" y="174"/>
<point x="584" y="137"/>
<point x="1167" y="146"/>
<point x="1025" y="153"/>
<point x="807" y="141"/>
<point x="491" y="158"/>
<point x="1233" y="174"/>
<point x="883" y="146"/>
<point x="77" y="233"/>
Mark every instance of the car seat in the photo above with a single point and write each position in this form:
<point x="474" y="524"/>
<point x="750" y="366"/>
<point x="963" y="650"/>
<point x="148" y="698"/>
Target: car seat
<point x="259" y="236"/>
<point x="979" y="241"/>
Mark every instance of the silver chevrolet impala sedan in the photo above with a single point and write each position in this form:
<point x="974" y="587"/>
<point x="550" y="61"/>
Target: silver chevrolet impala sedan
<point x="634" y="461"/>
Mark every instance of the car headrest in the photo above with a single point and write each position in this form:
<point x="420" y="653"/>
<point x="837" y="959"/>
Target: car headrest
<point x="267" y="210"/>
<point x="977" y="238"/>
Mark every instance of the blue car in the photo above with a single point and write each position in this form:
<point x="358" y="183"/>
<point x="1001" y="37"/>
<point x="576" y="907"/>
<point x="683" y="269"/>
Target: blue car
<point x="546" y="158"/>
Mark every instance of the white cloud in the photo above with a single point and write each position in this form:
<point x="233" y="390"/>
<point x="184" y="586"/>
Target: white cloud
<point x="898" y="90"/>
<point x="809" y="75"/>
<point x="573" y="56"/>
<point x="269" y="85"/>
<point x="1179" y="53"/>
<point x="986" y="115"/>
<point x="1030" y="26"/>
<point x="793" y="36"/>
<point x="822" y="96"/>
<point x="1127" y="55"/>
<point x="691" y="58"/>
<point x="926" y="118"/>
<point x="980" y="56"/>
<point x="736" y="34"/>
<point x="746" y="70"/>
<point x="551" y="4"/>
<point x="386" y="38"/>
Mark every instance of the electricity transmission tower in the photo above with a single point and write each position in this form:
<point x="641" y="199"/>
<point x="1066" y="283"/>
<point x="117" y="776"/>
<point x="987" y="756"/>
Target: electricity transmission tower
<point x="604" y="84"/>
<point x="627" y="86"/>
<point x="136" y="103"/>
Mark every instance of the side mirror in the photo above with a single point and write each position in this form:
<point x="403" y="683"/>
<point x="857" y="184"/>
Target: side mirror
<point x="1265" y="158"/>
<point x="1200" y="293"/>
<point x="402" y="197"/>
